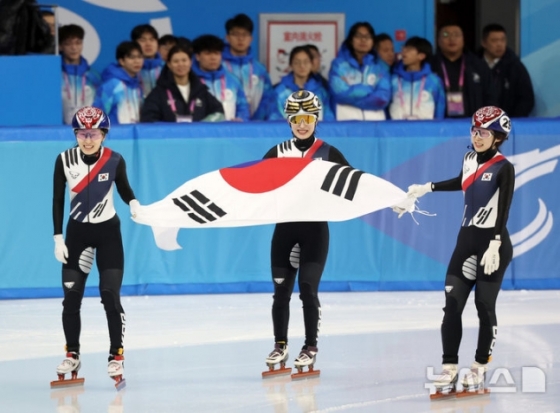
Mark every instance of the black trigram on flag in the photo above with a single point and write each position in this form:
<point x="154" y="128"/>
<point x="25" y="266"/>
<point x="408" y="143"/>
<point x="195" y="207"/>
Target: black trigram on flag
<point x="199" y="208"/>
<point x="348" y="179"/>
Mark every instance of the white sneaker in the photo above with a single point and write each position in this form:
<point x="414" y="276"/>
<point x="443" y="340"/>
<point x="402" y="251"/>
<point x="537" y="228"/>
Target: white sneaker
<point x="69" y="364"/>
<point x="447" y="377"/>
<point x="474" y="379"/>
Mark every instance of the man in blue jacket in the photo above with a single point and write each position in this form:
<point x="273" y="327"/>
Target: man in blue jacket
<point x="207" y="65"/>
<point x="238" y="59"/>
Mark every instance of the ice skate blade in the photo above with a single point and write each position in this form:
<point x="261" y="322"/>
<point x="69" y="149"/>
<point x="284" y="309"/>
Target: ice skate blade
<point x="438" y="395"/>
<point x="120" y="383"/>
<point x="306" y="374"/>
<point x="473" y="393"/>
<point x="57" y="384"/>
<point x="282" y="371"/>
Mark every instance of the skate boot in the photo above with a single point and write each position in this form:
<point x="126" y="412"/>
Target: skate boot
<point x="306" y="358"/>
<point x="115" y="369"/>
<point x="473" y="381"/>
<point x="277" y="356"/>
<point x="71" y="364"/>
<point x="446" y="382"/>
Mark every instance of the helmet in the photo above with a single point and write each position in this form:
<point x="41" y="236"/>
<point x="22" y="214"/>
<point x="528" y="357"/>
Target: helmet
<point x="493" y="118"/>
<point x="90" y="117"/>
<point x="302" y="102"/>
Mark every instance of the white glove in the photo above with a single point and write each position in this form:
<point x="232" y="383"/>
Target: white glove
<point x="134" y="207"/>
<point x="60" y="249"/>
<point x="399" y="210"/>
<point x="418" y="191"/>
<point x="491" y="258"/>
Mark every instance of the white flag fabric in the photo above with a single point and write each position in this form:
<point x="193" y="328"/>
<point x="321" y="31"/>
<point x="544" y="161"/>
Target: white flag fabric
<point x="270" y="191"/>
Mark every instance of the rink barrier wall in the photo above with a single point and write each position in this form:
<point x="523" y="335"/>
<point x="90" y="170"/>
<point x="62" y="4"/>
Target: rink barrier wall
<point x="377" y="252"/>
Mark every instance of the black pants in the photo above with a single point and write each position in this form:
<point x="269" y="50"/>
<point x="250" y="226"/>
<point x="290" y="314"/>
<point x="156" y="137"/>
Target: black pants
<point x="465" y="272"/>
<point x="313" y="241"/>
<point x="104" y="242"/>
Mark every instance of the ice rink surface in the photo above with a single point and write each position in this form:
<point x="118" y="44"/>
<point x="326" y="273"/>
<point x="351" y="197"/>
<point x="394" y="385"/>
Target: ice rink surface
<point x="205" y="353"/>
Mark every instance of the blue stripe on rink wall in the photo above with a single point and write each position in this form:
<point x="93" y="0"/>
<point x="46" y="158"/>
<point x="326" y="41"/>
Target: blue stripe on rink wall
<point x="377" y="252"/>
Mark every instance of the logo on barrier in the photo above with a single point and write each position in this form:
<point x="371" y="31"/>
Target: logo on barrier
<point x="528" y="167"/>
<point x="533" y="380"/>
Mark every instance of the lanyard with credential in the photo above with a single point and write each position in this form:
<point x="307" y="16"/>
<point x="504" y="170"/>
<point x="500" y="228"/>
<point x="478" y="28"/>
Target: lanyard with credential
<point x="171" y="102"/>
<point x="461" y="75"/>
<point x="68" y="89"/>
<point x="418" y="100"/>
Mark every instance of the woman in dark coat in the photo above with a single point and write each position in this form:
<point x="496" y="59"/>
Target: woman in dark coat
<point x="179" y="96"/>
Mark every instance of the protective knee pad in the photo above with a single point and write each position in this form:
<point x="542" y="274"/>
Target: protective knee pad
<point x="485" y="315"/>
<point x="72" y="302"/>
<point x="452" y="309"/>
<point x="308" y="296"/>
<point x="282" y="296"/>
<point x="111" y="302"/>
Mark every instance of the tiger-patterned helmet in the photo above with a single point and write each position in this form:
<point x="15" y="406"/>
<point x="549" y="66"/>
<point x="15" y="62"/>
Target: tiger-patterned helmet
<point x="302" y="102"/>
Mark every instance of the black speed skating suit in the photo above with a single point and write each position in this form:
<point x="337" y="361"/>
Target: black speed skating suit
<point x="487" y="180"/>
<point x="300" y="245"/>
<point x="93" y="231"/>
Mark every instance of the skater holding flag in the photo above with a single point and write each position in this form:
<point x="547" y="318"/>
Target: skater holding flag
<point x="300" y="246"/>
<point x="483" y="249"/>
<point x="93" y="231"/>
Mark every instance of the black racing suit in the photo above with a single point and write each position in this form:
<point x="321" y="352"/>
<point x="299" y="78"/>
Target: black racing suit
<point x="93" y="231"/>
<point x="302" y="245"/>
<point x="487" y="180"/>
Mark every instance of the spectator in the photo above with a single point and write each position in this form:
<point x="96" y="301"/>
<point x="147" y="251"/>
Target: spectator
<point x="222" y="84"/>
<point x="385" y="49"/>
<point x="50" y="19"/>
<point x="467" y="80"/>
<point x="300" y="78"/>
<point x="165" y="43"/>
<point x="316" y="65"/>
<point x="79" y="81"/>
<point x="120" y="94"/>
<point x="183" y="41"/>
<point x="360" y="83"/>
<point x="511" y="79"/>
<point x="239" y="60"/>
<point x="179" y="96"/>
<point x="147" y="37"/>
<point x="417" y="92"/>
<point x="23" y="29"/>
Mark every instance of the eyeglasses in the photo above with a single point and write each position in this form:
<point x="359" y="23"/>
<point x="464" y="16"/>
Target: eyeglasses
<point x="301" y="63"/>
<point x="94" y="135"/>
<point x="455" y="35"/>
<point x="482" y="133"/>
<point x="307" y="119"/>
